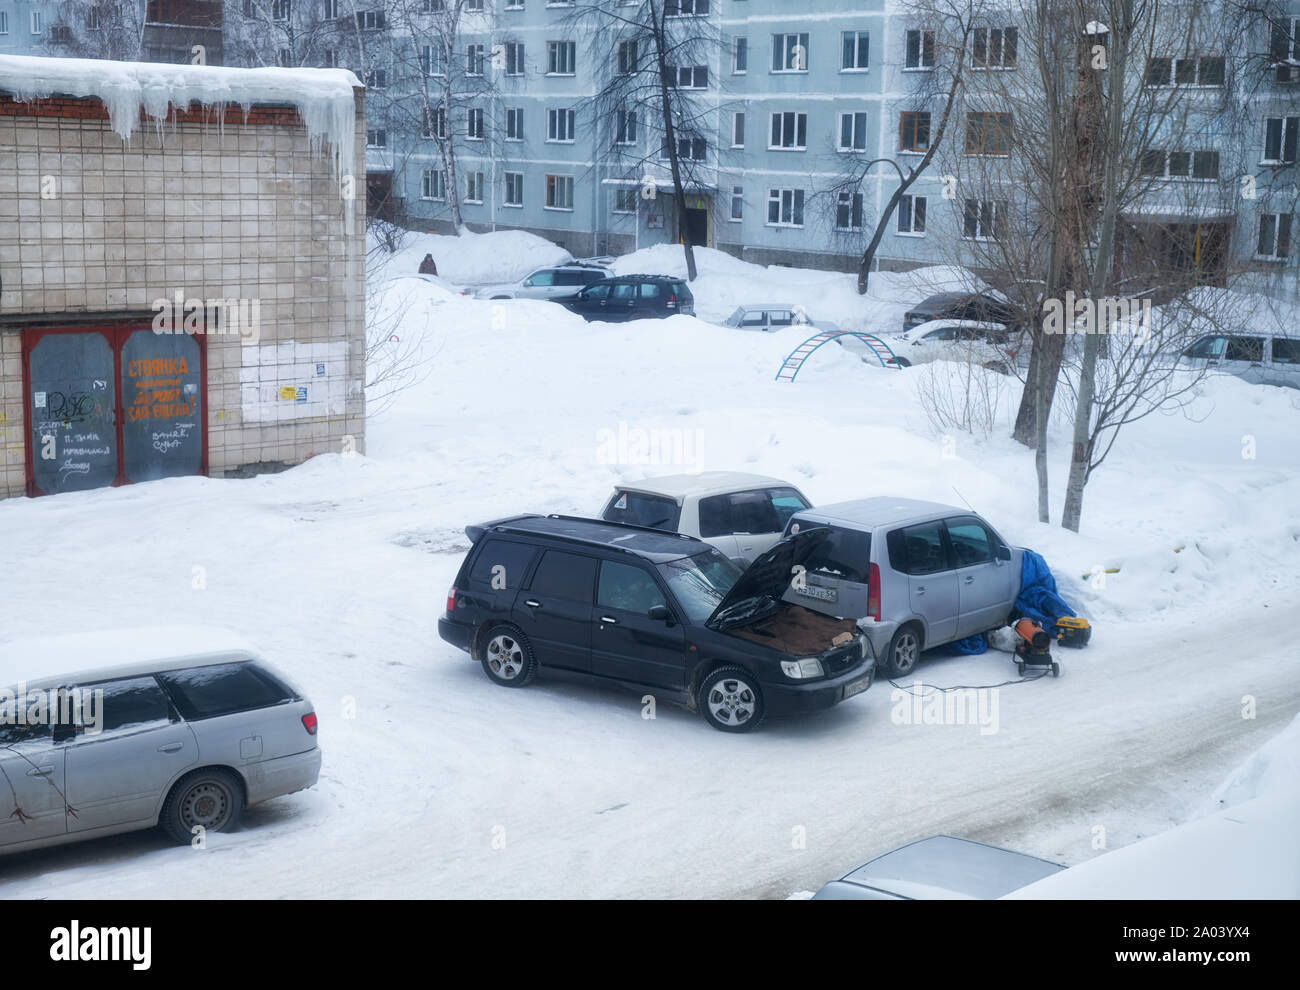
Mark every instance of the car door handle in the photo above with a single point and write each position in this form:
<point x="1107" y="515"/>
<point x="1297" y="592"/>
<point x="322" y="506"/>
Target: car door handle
<point x="969" y="578"/>
<point x="40" y="771"/>
<point x="609" y="619"/>
<point x="920" y="591"/>
<point x="175" y="747"/>
<point x="532" y="603"/>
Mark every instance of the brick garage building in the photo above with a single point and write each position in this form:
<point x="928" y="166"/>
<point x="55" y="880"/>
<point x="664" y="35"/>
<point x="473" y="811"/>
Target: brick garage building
<point x="182" y="271"/>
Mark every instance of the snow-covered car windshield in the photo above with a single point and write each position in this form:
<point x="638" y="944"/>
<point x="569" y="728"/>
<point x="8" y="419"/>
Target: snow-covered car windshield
<point x="699" y="583"/>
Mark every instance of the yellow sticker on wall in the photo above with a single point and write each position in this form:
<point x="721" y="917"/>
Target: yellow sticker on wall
<point x="289" y="392"/>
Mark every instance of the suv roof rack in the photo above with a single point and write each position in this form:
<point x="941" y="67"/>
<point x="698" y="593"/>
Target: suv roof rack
<point x="475" y="532"/>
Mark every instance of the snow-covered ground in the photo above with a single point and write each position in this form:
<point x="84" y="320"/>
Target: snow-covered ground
<point x="445" y="785"/>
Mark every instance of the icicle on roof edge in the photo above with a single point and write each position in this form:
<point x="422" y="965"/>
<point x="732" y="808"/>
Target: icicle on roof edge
<point x="323" y="97"/>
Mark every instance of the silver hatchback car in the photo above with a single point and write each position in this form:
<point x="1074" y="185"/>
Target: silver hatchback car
<point x="113" y="732"/>
<point x="915" y="574"/>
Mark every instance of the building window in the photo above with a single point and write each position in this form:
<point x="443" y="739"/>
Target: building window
<point x="514" y="123"/>
<point x="331" y="10"/>
<point x="371" y="20"/>
<point x="982" y="220"/>
<point x="37" y="21"/>
<point x="993" y="48"/>
<point x="559" y="126"/>
<point x="433" y="184"/>
<point x="375" y="78"/>
<point x="853" y="131"/>
<point x="92" y="19"/>
<point x="911" y="215"/>
<point x="790" y="53"/>
<point x="740" y="56"/>
<point x="737" y="203"/>
<point x="1280" y="140"/>
<point x="686" y="8"/>
<point x="988" y="133"/>
<point x="627" y="58"/>
<point x="514" y="189"/>
<point x="1194" y="70"/>
<point x="856" y="45"/>
<point x="785" y="207"/>
<point x="625" y="199"/>
<point x="4" y="22"/>
<point x="559" y="192"/>
<point x="738" y="130"/>
<point x="1200" y="165"/>
<point x="789" y="131"/>
<point x="919" y="53"/>
<point x="625" y="127"/>
<point x="432" y="6"/>
<point x="1284" y="49"/>
<point x="474" y="60"/>
<point x="376" y="139"/>
<point x="692" y="77"/>
<point x="284" y="59"/>
<point x="433" y="123"/>
<point x="431" y="61"/>
<point x="561" y="57"/>
<point x="1274" y="237"/>
<point x="848" y="211"/>
<point x="280" y="10"/>
<point x="514" y="58"/>
<point x="689" y="148"/>
<point x="474" y="122"/>
<point x="514" y="4"/>
<point x="914" y="131"/>
<point x="331" y="59"/>
<point x="474" y="5"/>
<point x="474" y="187"/>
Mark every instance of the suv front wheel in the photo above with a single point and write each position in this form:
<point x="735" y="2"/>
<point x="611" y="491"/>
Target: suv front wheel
<point x="508" y="657"/>
<point x="730" y="700"/>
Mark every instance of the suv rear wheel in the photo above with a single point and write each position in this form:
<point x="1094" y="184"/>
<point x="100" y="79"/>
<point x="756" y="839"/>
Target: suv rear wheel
<point x="206" y="800"/>
<point x="730" y="700"/>
<point x="508" y="657"/>
<point x="904" y="651"/>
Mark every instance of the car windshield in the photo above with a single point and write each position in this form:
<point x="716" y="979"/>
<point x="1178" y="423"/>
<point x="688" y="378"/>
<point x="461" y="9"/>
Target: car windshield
<point x="845" y="553"/>
<point x="700" y="582"/>
<point x="640" y="509"/>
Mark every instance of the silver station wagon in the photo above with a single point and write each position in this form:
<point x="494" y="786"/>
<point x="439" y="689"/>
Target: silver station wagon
<point x="112" y="732"/>
<point x="915" y="574"/>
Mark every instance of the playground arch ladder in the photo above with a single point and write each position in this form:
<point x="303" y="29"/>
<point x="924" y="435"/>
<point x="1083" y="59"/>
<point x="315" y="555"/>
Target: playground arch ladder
<point x="796" y="358"/>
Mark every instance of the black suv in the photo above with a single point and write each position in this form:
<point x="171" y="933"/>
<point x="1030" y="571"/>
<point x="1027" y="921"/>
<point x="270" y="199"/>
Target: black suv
<point x="633" y="297"/>
<point x="653" y="612"/>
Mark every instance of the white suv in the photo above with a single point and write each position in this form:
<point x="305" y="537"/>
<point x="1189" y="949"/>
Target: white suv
<point x="742" y="515"/>
<point x="555" y="282"/>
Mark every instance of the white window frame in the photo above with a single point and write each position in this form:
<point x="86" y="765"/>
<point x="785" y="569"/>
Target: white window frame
<point x="433" y="185"/>
<point x="507" y="180"/>
<point x="789" y="202"/>
<point x="782" y="115"/>
<point x="514" y="123"/>
<point x="37" y="22"/>
<point x="378" y="132"/>
<point x="622" y="209"/>
<point x="739" y="55"/>
<point x="912" y="230"/>
<point x="515" y="57"/>
<point x="558" y="55"/>
<point x="851" y="196"/>
<point x="554" y="115"/>
<point x="475" y="55"/>
<point x="625" y="123"/>
<point x="857" y="35"/>
<point x="474" y="185"/>
<point x="1277" y="225"/>
<point x="800" y="40"/>
<point x="563" y="182"/>
<point x="735" y="215"/>
<point x="988" y="34"/>
<point x="854" y="136"/>
<point x="691" y="73"/>
<point x="473" y="114"/>
<point x="921" y="65"/>
<point x="4" y="22"/>
<point x="996" y="218"/>
<point x="624" y="65"/>
<point x="1281" y="140"/>
<point x="738" y="129"/>
<point x="1167" y="156"/>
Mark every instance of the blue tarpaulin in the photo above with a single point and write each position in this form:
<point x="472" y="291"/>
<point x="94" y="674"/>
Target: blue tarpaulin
<point x="1038" y="598"/>
<point x="969" y="646"/>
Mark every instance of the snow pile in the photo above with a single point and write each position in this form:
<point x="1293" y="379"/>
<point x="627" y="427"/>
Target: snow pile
<point x="1272" y="769"/>
<point x="468" y="258"/>
<point x="323" y="97"/>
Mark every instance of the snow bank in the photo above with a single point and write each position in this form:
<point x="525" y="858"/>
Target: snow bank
<point x="323" y="97"/>
<point x="1272" y="769"/>
<point x="469" y="258"/>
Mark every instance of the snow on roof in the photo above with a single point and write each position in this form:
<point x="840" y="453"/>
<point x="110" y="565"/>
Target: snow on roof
<point x="38" y="659"/>
<point x="323" y="97"/>
<point x="705" y="483"/>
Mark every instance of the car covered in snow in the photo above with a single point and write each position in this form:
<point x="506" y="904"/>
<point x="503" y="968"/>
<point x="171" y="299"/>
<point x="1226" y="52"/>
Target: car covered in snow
<point x="989" y="345"/>
<point x="653" y="612"/>
<point x="740" y="514"/>
<point x="941" y="867"/>
<point x="767" y="317"/>
<point x="1261" y="359"/>
<point x="179" y="727"/>
<point x="984" y="307"/>
<point x="918" y="574"/>
<point x="553" y="282"/>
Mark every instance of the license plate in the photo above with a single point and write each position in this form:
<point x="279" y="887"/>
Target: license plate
<point x="822" y="594"/>
<point x="857" y="687"/>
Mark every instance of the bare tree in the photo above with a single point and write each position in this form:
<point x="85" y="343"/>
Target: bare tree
<point x="110" y="29"/>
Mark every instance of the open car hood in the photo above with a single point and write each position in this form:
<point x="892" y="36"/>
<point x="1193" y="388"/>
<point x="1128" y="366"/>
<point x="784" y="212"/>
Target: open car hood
<point x="771" y="573"/>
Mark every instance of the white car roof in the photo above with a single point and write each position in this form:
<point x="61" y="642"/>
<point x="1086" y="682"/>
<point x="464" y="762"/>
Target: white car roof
<point x="47" y="661"/>
<point x="923" y="328"/>
<point x="754" y="307"/>
<point x="881" y="510"/>
<point x="680" y="486"/>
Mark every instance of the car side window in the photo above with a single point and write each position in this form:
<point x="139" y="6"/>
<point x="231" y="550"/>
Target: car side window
<point x="1245" y="349"/>
<point x="1286" y="350"/>
<point x="971" y="542"/>
<point x="129" y="703"/>
<point x="589" y="277"/>
<point x="649" y="290"/>
<point x="623" y="290"/>
<point x="918" y="549"/>
<point x="1206" y="347"/>
<point x="758" y="319"/>
<point x="781" y="318"/>
<point x="595" y="292"/>
<point x="752" y="512"/>
<point x="570" y="278"/>
<point x="565" y="575"/>
<point x="623" y="586"/>
<point x="12" y="732"/>
<point x="943" y="333"/>
<point x="785" y="503"/>
<point x="223" y="689"/>
<point x="541" y="278"/>
<point x="501" y="564"/>
<point x="715" y="516"/>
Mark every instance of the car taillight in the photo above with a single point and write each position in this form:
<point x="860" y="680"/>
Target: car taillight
<point x="873" y="592"/>
<point x="451" y="599"/>
<point x="672" y="301"/>
<point x="309" y="723"/>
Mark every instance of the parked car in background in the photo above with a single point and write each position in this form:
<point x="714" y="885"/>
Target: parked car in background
<point x="773" y="316"/>
<point x="1261" y="359"/>
<point x="990" y="345"/>
<point x="740" y="514"/>
<point x="192" y="727"/>
<point x="940" y="867"/>
<point x="650" y="611"/>
<point x="982" y="307"/>
<point x="555" y="282"/>
<point x="920" y="573"/>
<point x="633" y="297"/>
